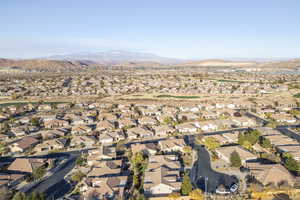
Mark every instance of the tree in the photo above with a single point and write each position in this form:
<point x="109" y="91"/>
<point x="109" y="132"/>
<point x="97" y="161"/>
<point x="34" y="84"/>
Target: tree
<point x="35" y="196"/>
<point x="38" y="173"/>
<point x="265" y="142"/>
<point x="290" y="163"/>
<point x="196" y="194"/>
<point x="77" y="176"/>
<point x="211" y="143"/>
<point x="186" y="186"/>
<point x="235" y="160"/>
<point x="174" y="195"/>
<point x="168" y="120"/>
<point x="187" y="149"/>
<point x="19" y="196"/>
<point x="247" y="145"/>
<point x="251" y="136"/>
<point x="3" y="148"/>
<point x="138" y="162"/>
<point x="35" y="121"/>
<point x="32" y="196"/>
<point x="4" y="127"/>
<point x="80" y="161"/>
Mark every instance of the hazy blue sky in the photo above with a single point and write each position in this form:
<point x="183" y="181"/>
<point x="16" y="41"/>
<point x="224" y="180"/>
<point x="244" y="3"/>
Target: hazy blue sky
<point x="174" y="28"/>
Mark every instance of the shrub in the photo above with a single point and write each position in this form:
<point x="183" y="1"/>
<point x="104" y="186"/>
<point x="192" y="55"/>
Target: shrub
<point x="235" y="160"/>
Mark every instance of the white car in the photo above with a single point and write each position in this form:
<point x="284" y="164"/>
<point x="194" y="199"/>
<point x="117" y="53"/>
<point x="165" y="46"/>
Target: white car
<point x="234" y="188"/>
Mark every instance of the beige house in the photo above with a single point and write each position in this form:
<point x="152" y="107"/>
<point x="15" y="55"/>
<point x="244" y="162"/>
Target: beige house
<point x="82" y="141"/>
<point x="186" y="128"/>
<point x="162" y="130"/>
<point x="139" y="132"/>
<point x="24" y="144"/>
<point x="104" y="188"/>
<point x="162" y="176"/>
<point x="226" y="151"/>
<point x="271" y="173"/>
<point x="172" y="145"/>
<point x="49" y="145"/>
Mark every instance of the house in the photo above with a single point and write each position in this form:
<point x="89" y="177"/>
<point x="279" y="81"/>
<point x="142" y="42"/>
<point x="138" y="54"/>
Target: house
<point x="117" y="135"/>
<point x="50" y="134"/>
<point x="105" y="168"/>
<point x="191" y="108"/>
<point x="170" y="145"/>
<point x="270" y="173"/>
<point x="207" y="125"/>
<point x="126" y="122"/>
<point x="63" y="106"/>
<point x="224" y="123"/>
<point x="217" y="137"/>
<point x="162" y="130"/>
<point x="226" y="151"/>
<point x="82" y="141"/>
<point x="11" y="179"/>
<point x="276" y="138"/>
<point x="147" y="121"/>
<point x="23" y="144"/>
<point x="139" y="132"/>
<point x="81" y="129"/>
<point x="107" y="116"/>
<point x="162" y="176"/>
<point x="209" y="115"/>
<point x="18" y="131"/>
<point x="44" y="107"/>
<point x="284" y="118"/>
<point x="105" y="138"/>
<point x="55" y="123"/>
<point x="231" y="137"/>
<point x="149" y="111"/>
<point x="19" y="169"/>
<point x="226" y="112"/>
<point x="293" y="150"/>
<point x="104" y="188"/>
<point x="49" y="145"/>
<point x="165" y="117"/>
<point x="104" y="125"/>
<point x="101" y="153"/>
<point x="148" y="148"/>
<point x="186" y="128"/>
<point x="187" y="116"/>
<point x="26" y="165"/>
<point x="243" y="121"/>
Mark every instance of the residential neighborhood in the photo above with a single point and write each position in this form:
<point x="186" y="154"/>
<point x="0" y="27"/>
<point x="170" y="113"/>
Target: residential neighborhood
<point x="147" y="135"/>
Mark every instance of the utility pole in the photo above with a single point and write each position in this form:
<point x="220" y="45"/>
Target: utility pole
<point x="205" y="185"/>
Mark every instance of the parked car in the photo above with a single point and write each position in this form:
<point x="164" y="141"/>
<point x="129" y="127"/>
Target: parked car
<point x="234" y="188"/>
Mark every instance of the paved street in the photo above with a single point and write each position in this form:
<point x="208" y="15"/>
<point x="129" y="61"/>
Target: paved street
<point x="204" y="177"/>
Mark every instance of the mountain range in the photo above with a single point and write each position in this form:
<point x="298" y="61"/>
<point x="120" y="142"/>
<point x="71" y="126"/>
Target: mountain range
<point x="84" y="61"/>
<point x="116" y="57"/>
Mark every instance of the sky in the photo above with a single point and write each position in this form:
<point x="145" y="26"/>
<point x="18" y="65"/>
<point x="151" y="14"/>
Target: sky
<point x="171" y="28"/>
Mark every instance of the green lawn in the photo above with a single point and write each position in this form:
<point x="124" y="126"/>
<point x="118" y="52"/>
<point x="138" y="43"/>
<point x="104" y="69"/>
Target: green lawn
<point x="178" y="97"/>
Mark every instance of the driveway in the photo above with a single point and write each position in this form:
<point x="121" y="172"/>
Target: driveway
<point x="204" y="177"/>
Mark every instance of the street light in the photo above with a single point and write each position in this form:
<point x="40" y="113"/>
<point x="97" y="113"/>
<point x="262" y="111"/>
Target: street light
<point x="205" y="185"/>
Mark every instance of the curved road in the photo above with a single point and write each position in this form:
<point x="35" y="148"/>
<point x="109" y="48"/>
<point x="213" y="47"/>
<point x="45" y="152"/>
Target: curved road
<point x="204" y="177"/>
